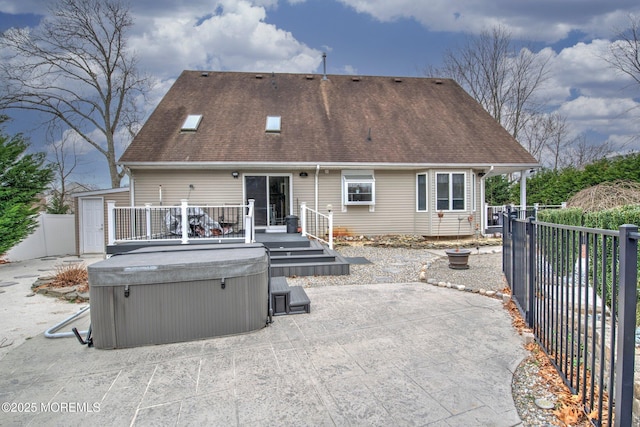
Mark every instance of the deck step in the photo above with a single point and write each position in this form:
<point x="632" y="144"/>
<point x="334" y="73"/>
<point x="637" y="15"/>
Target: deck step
<point x="283" y="252"/>
<point x="287" y="299"/>
<point x="302" y="258"/>
<point x="311" y="269"/>
<point x="299" y="301"/>
<point x="316" y="260"/>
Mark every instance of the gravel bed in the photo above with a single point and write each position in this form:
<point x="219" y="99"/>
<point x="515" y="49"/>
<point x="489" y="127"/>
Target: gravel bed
<point x="402" y="265"/>
<point x="388" y="265"/>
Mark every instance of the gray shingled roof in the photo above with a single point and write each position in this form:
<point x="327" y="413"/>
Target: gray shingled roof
<point x="409" y="120"/>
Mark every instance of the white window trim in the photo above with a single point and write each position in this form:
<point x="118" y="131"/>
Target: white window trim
<point x="464" y="191"/>
<point x="366" y="177"/>
<point x="426" y="192"/>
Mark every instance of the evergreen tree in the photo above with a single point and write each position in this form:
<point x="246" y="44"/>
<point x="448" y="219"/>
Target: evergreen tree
<point x="497" y="191"/>
<point x="23" y="177"/>
<point x="552" y="187"/>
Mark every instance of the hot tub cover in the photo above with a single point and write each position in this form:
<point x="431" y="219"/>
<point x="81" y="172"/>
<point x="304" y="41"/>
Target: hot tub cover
<point x="169" y="264"/>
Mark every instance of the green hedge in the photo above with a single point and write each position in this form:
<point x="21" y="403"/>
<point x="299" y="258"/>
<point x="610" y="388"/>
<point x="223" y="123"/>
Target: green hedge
<point x="569" y="216"/>
<point x="610" y="219"/>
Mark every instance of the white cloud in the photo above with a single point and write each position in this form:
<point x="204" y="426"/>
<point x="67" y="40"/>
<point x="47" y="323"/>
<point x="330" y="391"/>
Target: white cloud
<point x="350" y="69"/>
<point x="23" y="6"/>
<point x="235" y="38"/>
<point x="581" y="71"/>
<point x="618" y="118"/>
<point x="543" y="20"/>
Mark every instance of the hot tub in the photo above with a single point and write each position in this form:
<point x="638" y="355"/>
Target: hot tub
<point x="171" y="294"/>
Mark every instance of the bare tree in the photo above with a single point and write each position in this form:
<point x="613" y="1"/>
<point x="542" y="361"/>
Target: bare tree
<point x="580" y="152"/>
<point x="76" y="68"/>
<point x="536" y="135"/>
<point x="500" y="77"/>
<point x="557" y="139"/>
<point x="64" y="161"/>
<point x="624" y="53"/>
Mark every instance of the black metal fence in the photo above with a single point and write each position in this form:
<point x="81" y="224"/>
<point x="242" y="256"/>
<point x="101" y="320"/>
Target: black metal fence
<point x="576" y="288"/>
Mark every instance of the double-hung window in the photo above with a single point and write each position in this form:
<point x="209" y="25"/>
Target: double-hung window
<point x="450" y="191"/>
<point x="359" y="188"/>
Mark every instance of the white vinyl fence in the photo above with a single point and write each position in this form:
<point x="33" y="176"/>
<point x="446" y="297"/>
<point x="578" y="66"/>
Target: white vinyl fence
<point x="55" y="236"/>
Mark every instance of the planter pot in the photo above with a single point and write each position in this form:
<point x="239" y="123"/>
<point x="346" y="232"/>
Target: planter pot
<point x="458" y="258"/>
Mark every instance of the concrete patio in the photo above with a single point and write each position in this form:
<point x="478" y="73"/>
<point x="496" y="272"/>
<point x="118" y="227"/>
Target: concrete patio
<point x="382" y="354"/>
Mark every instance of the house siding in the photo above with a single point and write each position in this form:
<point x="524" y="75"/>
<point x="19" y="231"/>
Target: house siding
<point x="394" y="212"/>
<point x="209" y="187"/>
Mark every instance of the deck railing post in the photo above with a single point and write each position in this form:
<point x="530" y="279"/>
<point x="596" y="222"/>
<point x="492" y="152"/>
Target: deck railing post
<point x="303" y="218"/>
<point x="111" y="223"/>
<point x="147" y="213"/>
<point x="249" y="222"/>
<point x="330" y="231"/>
<point x="625" y="349"/>
<point x="184" y="204"/>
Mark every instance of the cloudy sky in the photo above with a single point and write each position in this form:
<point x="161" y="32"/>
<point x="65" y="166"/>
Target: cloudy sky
<point x="377" y="37"/>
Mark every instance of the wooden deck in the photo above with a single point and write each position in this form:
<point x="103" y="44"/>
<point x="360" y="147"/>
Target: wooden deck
<point x="291" y="254"/>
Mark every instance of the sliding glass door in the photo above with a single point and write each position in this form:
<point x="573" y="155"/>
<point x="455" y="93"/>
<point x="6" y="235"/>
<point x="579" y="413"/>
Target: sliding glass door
<point x="272" y="195"/>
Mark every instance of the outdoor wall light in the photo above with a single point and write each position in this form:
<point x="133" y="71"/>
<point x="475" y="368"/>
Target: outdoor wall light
<point x="235" y="174"/>
<point x="304" y="174"/>
<point x="481" y="174"/>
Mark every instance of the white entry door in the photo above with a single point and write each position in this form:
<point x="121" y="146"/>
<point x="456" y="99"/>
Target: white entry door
<point x="92" y="225"/>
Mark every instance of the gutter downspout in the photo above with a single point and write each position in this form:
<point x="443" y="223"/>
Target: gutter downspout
<point x="483" y="213"/>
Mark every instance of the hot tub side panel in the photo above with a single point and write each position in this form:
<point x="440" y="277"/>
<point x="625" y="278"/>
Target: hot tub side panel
<point x="161" y="313"/>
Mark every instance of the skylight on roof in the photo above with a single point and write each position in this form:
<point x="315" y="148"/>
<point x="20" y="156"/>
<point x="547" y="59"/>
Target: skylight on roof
<point x="192" y="122"/>
<point x="273" y="124"/>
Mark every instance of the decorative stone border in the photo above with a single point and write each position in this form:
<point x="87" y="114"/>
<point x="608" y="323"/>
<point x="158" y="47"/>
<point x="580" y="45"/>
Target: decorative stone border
<point x="423" y="277"/>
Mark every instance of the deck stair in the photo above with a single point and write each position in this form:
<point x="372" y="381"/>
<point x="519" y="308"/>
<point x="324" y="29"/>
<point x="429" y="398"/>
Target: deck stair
<point x="308" y="258"/>
<point x="287" y="299"/>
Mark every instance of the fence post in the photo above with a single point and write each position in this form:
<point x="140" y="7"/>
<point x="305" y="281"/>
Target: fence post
<point x="303" y="218"/>
<point x="111" y="223"/>
<point x="185" y="221"/>
<point x="147" y="214"/>
<point x="504" y="215"/>
<point x="530" y="251"/>
<point x="625" y="348"/>
<point x="513" y="216"/>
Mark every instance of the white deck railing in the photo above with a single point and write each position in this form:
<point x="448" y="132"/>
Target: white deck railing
<point x="317" y="225"/>
<point x="493" y="217"/>
<point x="184" y="222"/>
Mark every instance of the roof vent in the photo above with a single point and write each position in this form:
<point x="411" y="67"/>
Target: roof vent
<point x="204" y="74"/>
<point x="355" y="79"/>
<point x="438" y="82"/>
<point x="397" y="80"/>
<point x="258" y="76"/>
<point x="309" y="77"/>
<point x="324" y="66"/>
